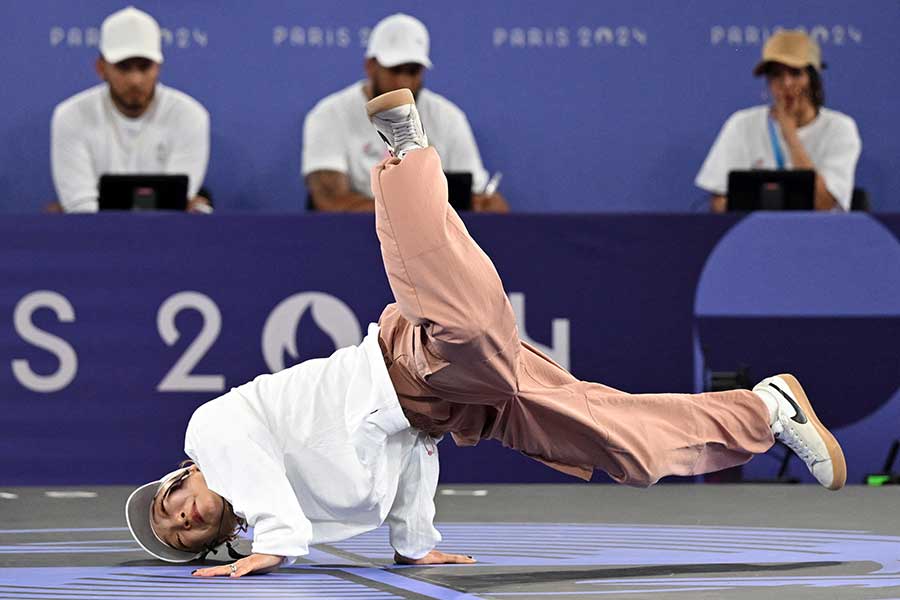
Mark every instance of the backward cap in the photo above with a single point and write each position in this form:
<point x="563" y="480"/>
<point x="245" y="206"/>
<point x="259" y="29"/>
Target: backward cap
<point x="137" y="516"/>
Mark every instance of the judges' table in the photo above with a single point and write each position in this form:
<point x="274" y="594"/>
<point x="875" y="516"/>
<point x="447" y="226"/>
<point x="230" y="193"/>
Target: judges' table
<point x="118" y="326"/>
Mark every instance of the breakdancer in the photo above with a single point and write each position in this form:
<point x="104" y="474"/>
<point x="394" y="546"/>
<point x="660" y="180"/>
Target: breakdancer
<point x="335" y="447"/>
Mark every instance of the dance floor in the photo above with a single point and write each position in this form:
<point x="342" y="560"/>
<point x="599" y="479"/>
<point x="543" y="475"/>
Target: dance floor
<point x="532" y="542"/>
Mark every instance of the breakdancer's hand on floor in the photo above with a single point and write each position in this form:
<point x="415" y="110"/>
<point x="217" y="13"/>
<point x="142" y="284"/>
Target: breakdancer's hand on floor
<point x="255" y="563"/>
<point x="435" y="557"/>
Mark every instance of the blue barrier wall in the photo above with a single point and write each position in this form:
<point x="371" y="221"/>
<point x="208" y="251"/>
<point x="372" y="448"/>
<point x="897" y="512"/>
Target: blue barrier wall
<point x="114" y="328"/>
<point x="584" y="106"/>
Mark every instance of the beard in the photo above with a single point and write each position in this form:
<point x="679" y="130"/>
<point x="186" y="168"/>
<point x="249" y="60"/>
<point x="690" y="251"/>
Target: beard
<point x="133" y="103"/>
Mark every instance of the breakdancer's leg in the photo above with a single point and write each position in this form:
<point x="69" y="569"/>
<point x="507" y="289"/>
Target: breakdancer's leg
<point x="454" y="334"/>
<point x="463" y="338"/>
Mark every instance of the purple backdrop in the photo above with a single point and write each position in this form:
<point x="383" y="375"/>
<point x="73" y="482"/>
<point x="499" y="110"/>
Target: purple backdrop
<point x="100" y="314"/>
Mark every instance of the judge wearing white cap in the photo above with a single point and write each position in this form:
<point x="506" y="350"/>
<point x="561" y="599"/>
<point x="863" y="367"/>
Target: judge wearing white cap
<point x="130" y="123"/>
<point x="340" y="147"/>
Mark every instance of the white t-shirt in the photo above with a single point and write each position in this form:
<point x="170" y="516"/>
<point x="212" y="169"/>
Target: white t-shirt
<point x="89" y="137"/>
<point x="318" y="453"/>
<point x="831" y="140"/>
<point x="337" y="136"/>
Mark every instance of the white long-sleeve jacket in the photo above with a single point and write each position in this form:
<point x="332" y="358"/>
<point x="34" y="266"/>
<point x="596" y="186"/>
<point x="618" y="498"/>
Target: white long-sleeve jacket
<point x="318" y="453"/>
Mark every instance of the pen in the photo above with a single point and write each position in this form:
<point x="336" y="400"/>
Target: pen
<point x="493" y="184"/>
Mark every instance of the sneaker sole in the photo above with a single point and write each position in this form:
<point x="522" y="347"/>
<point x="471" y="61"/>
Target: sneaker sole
<point x="831" y="444"/>
<point x="388" y="101"/>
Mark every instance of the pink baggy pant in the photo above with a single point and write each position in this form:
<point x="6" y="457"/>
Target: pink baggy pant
<point x="457" y="363"/>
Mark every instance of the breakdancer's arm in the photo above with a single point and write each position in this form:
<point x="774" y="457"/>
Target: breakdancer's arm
<point x="411" y="518"/>
<point x="255" y="563"/>
<point x="435" y="557"/>
<point x="256" y="484"/>
<point x="245" y="466"/>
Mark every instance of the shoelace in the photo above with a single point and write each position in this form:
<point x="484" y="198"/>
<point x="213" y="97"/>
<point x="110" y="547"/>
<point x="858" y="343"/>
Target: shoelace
<point x="404" y="133"/>
<point x="789" y="436"/>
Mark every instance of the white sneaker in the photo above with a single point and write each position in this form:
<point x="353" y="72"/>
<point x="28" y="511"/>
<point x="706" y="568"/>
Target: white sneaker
<point x="396" y="119"/>
<point x="798" y="428"/>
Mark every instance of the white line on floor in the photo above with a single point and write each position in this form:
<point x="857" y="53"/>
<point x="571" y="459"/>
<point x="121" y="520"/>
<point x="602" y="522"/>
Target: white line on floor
<point x="451" y="492"/>
<point x="8" y="496"/>
<point x="69" y="494"/>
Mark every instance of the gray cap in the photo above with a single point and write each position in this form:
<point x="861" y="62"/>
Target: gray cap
<point x="137" y="514"/>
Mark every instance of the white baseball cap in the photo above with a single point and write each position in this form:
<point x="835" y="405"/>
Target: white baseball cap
<point x="130" y="33"/>
<point x="399" y="39"/>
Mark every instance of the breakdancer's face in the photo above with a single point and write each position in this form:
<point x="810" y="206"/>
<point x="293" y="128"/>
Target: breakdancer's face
<point x="185" y="513"/>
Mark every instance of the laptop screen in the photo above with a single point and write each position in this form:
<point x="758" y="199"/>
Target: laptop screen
<point x="459" y="190"/>
<point x="143" y="192"/>
<point x="771" y="190"/>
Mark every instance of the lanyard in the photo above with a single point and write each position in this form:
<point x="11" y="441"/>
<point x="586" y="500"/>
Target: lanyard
<point x="776" y="147"/>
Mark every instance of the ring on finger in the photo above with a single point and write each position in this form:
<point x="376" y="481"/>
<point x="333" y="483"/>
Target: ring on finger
<point x="233" y="567"/>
